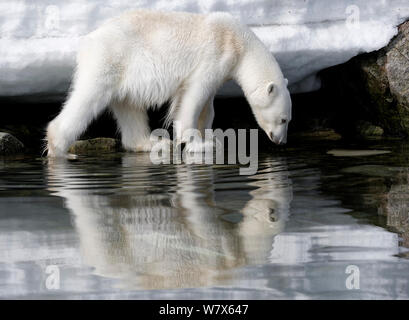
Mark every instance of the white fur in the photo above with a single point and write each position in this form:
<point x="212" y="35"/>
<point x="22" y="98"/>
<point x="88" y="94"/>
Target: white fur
<point x="143" y="59"/>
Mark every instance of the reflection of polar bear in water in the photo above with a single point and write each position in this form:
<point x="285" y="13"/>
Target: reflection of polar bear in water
<point x="180" y="236"/>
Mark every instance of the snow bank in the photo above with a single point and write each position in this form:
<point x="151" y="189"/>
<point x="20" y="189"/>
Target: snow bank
<point x="38" y="39"/>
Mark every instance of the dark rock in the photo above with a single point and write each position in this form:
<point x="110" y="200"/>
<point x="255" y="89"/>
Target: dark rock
<point x="395" y="206"/>
<point x="367" y="130"/>
<point x="373" y="87"/>
<point x="95" y="145"/>
<point x="9" y="144"/>
<point x="317" y="134"/>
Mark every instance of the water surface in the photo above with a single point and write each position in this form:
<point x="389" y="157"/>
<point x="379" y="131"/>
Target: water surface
<point x="117" y="226"/>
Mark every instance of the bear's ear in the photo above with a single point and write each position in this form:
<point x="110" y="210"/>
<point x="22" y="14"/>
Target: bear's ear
<point x="270" y="88"/>
<point x="286" y="81"/>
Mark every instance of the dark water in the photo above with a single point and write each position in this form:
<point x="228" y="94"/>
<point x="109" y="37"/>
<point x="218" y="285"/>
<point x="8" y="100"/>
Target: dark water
<point x="117" y="226"/>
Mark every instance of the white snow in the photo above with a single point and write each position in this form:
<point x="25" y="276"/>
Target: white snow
<point x="38" y="39"/>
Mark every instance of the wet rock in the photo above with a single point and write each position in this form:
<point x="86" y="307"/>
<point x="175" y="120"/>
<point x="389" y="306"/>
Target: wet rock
<point x="374" y="87"/>
<point x="10" y="144"/>
<point x="319" y="135"/>
<point x="387" y="82"/>
<point x="395" y="206"/>
<point x="31" y="134"/>
<point x="95" y="145"/>
<point x="367" y="130"/>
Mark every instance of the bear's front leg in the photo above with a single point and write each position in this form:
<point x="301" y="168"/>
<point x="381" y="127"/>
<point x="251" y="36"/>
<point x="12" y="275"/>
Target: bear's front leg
<point x="194" y="114"/>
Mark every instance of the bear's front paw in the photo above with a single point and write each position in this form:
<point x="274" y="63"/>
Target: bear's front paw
<point x="148" y="144"/>
<point x="144" y="146"/>
<point x="202" y="146"/>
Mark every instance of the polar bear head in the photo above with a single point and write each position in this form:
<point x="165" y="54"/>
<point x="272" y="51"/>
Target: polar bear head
<point x="271" y="104"/>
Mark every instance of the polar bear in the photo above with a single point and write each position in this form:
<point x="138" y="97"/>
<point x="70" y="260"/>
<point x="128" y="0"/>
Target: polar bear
<point x="143" y="59"/>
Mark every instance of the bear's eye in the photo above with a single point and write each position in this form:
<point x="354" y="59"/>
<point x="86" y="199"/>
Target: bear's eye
<point x="283" y="121"/>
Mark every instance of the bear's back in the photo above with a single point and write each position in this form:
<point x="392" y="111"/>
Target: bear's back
<point x="143" y="49"/>
<point x="176" y="31"/>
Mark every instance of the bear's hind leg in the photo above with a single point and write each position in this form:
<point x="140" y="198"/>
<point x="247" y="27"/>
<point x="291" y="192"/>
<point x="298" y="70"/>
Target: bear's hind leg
<point x="133" y="123"/>
<point x="79" y="110"/>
